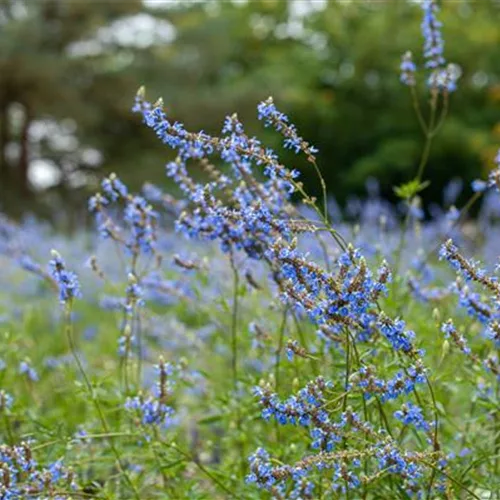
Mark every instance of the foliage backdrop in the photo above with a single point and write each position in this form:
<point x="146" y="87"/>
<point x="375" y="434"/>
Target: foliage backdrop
<point x="69" y="70"/>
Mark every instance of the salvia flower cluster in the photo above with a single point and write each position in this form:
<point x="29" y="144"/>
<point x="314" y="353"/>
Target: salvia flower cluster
<point x="67" y="281"/>
<point x="22" y="477"/>
<point x="234" y="208"/>
<point x="442" y="77"/>
<point x="403" y="383"/>
<point x="308" y="409"/>
<point x="137" y="215"/>
<point x="485" y="307"/>
<point x="154" y="410"/>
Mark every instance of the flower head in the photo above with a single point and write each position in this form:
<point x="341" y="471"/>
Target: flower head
<point x="67" y="281"/>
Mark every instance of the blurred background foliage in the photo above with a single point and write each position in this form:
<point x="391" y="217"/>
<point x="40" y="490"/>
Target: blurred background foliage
<point x="69" y="70"/>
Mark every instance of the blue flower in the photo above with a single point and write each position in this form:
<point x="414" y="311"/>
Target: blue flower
<point x="6" y="400"/>
<point x="114" y="188"/>
<point x="479" y="186"/>
<point x="67" y="281"/>
<point x="431" y="31"/>
<point x="494" y="175"/>
<point x="29" y="371"/>
<point x="154" y="409"/>
<point x="411" y="414"/>
<point x="408" y="69"/>
<point x="28" y="264"/>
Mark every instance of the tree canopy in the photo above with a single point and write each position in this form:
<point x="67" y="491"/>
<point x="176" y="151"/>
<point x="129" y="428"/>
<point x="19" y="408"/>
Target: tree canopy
<point x="69" y="71"/>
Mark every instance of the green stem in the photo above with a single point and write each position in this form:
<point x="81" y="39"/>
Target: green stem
<point x="234" y="321"/>
<point x="429" y="134"/>
<point x="383" y="417"/>
<point x="451" y="478"/>
<point x="425" y="157"/>
<point x="157" y="458"/>
<point x="8" y="428"/>
<point x="365" y="408"/>
<point x="90" y="390"/>
<point x="139" y="349"/>
<point x="344" y="402"/>
<point x="418" y="112"/>
<point x="234" y="357"/>
<point x="323" y="192"/>
<point x="324" y="250"/>
<point x="347" y="370"/>
<point x="302" y="338"/>
<point x="279" y="350"/>
<point x="442" y="118"/>
<point x="333" y="233"/>
<point x="436" y="430"/>
<point x="202" y="468"/>
<point x="496" y="432"/>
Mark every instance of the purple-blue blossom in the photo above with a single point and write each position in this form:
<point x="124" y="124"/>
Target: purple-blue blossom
<point x="26" y="369"/>
<point x="66" y="281"/>
<point x="114" y="188"/>
<point x="408" y="69"/>
<point x="411" y="414"/>
<point x="431" y="31"/>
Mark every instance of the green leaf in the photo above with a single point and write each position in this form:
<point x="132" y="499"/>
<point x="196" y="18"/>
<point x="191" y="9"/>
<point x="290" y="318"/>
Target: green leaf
<point x="410" y="189"/>
<point x="210" y="420"/>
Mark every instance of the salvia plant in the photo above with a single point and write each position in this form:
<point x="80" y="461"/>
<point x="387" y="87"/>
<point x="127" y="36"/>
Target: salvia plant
<point x="249" y="340"/>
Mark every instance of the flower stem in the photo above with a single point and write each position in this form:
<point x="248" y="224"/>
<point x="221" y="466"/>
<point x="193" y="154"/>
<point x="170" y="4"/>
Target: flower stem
<point x="95" y="401"/>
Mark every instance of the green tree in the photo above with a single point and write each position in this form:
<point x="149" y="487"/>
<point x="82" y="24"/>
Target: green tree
<point x="41" y="80"/>
<point x="333" y="67"/>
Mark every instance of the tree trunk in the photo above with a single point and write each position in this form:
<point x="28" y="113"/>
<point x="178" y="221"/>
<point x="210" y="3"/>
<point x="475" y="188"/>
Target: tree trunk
<point x="24" y="151"/>
<point x="4" y="139"/>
